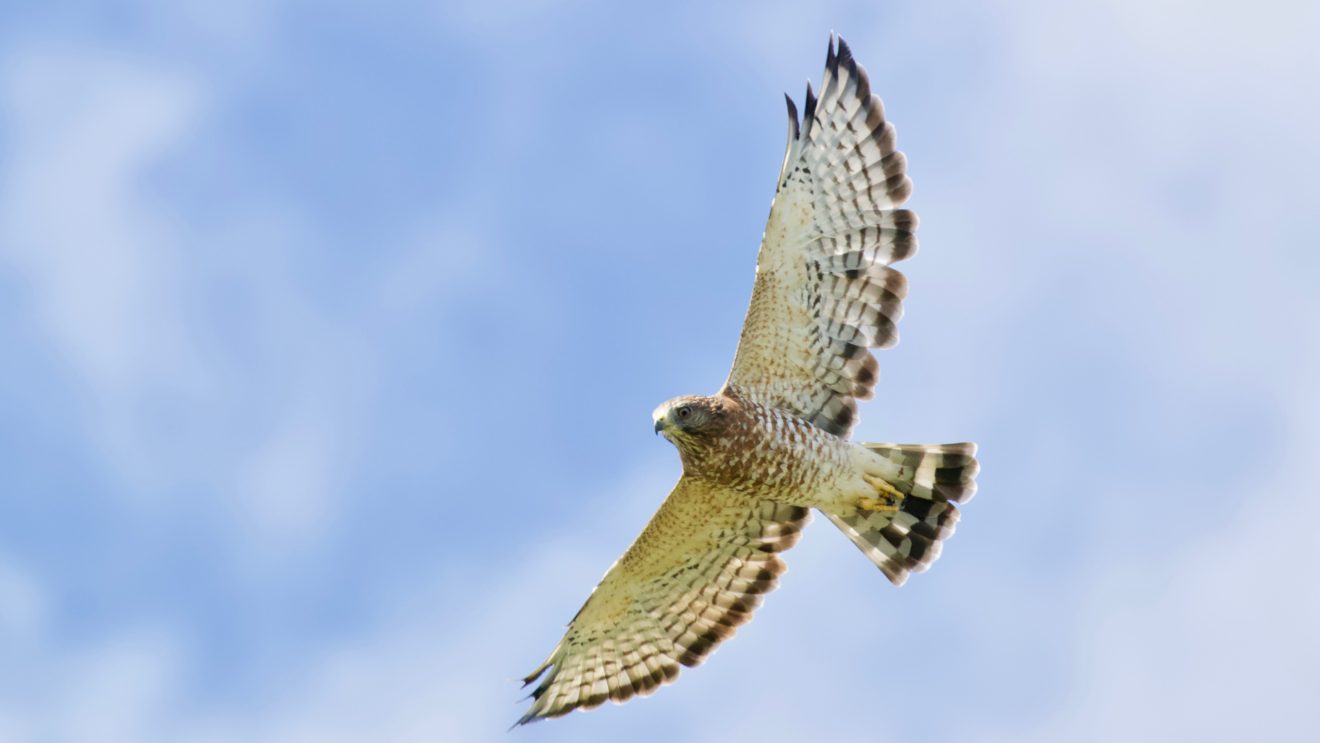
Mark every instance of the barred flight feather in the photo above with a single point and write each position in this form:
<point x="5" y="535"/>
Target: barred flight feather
<point x="934" y="478"/>
<point x="684" y="586"/>
<point x="824" y="289"/>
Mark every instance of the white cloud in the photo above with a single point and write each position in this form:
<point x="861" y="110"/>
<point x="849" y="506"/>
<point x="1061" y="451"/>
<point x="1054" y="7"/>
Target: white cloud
<point x="127" y="686"/>
<point x="23" y="607"/>
<point x="98" y="260"/>
<point x="1208" y="642"/>
<point x="440" y="665"/>
<point x="1202" y="635"/>
<point x="116" y="284"/>
<point x="1213" y="644"/>
<point x="120" y="690"/>
<point x="101" y="266"/>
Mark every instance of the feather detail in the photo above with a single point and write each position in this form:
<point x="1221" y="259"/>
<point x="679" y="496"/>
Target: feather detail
<point x="825" y="291"/>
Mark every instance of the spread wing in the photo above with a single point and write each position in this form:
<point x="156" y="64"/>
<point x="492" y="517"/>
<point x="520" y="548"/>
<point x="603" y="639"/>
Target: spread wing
<point x="696" y="572"/>
<point x="824" y="291"/>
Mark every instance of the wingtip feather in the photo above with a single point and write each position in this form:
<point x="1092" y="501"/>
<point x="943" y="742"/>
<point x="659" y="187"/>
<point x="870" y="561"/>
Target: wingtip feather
<point x="845" y="55"/>
<point x="793" y="128"/>
<point x="808" y="109"/>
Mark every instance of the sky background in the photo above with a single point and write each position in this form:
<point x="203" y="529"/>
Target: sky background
<point x="329" y="335"/>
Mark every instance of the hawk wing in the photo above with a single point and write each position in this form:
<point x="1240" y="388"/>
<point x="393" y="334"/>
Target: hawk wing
<point x="824" y="291"/>
<point x="696" y="572"/>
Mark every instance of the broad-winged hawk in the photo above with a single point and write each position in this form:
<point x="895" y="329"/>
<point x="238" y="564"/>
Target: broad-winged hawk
<point x="773" y="443"/>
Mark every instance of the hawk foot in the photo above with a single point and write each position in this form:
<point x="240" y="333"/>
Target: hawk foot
<point x="887" y="504"/>
<point x="888" y="500"/>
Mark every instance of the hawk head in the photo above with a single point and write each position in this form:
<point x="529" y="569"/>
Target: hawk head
<point x="691" y="417"/>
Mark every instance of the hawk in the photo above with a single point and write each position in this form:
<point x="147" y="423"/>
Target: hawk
<point x="773" y="444"/>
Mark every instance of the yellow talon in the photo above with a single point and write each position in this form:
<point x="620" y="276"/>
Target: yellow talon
<point x="882" y="485"/>
<point x="886" y="505"/>
<point x="889" y="498"/>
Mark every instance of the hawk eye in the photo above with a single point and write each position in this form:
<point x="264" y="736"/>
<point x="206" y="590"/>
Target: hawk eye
<point x="684" y="411"/>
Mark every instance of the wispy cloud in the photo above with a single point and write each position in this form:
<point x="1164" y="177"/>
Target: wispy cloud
<point x="119" y="283"/>
<point x="296" y="392"/>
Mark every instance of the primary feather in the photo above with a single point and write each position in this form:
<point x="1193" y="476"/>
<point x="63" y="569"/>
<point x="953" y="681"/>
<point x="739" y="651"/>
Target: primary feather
<point x="824" y="291"/>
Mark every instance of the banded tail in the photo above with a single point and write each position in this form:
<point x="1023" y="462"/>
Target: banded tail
<point x="933" y="479"/>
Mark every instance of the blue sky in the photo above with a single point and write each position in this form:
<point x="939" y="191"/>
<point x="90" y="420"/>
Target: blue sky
<point x="331" y="335"/>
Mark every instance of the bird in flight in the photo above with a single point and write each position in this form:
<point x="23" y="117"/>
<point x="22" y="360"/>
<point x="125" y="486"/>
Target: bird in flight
<point x="773" y="443"/>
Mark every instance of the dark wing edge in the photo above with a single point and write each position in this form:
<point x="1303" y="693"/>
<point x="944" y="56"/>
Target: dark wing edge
<point x="651" y="614"/>
<point x="841" y="166"/>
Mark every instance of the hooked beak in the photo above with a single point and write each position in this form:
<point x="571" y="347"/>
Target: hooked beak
<point x="659" y="425"/>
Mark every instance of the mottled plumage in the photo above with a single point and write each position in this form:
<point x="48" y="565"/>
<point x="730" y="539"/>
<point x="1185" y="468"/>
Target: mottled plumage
<point x="773" y="443"/>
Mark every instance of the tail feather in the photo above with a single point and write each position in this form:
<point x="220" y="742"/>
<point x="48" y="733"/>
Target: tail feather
<point x="933" y="478"/>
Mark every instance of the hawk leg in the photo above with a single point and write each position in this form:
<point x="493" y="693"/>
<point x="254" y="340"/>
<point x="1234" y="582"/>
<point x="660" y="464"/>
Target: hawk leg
<point x="889" y="499"/>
